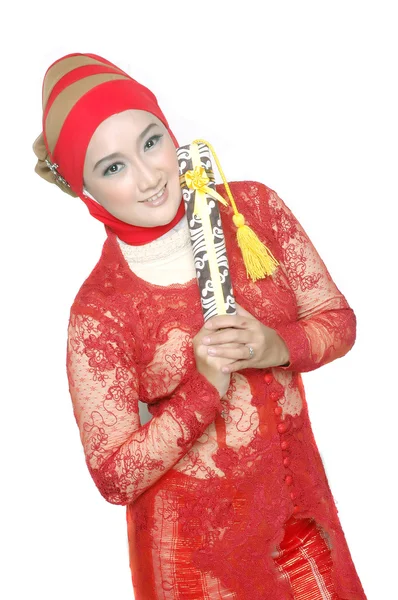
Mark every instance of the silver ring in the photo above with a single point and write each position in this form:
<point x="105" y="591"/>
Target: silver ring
<point x="251" y="352"/>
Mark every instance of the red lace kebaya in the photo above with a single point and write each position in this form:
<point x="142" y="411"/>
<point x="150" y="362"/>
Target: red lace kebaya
<point x="212" y="486"/>
<point x="226" y="499"/>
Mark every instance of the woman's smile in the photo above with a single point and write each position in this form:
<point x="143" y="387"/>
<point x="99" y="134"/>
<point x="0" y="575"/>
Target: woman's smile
<point x="140" y="168"/>
<point x="157" y="199"/>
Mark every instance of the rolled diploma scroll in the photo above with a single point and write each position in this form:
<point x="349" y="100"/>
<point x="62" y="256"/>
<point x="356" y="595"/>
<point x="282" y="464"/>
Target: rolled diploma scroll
<point x="205" y="226"/>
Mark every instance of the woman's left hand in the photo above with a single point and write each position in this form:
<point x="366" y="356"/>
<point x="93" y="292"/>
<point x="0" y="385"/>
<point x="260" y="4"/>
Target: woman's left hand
<point x="241" y="332"/>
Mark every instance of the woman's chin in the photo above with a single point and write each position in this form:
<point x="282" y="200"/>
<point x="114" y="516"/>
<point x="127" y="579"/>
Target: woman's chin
<point x="156" y="219"/>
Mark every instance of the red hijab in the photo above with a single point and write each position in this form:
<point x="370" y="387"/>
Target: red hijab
<point x="79" y="92"/>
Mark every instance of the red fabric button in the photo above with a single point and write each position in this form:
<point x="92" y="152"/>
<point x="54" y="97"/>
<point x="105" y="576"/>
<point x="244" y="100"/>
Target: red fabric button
<point x="293" y="495"/>
<point x="274" y="396"/>
<point x="286" y="461"/>
<point x="278" y="410"/>
<point x="284" y="445"/>
<point x="282" y="427"/>
<point x="296" y="509"/>
<point x="289" y="480"/>
<point x="268" y="378"/>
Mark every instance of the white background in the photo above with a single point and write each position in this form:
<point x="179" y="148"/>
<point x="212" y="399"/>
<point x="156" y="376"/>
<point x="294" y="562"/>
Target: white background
<point x="299" y="95"/>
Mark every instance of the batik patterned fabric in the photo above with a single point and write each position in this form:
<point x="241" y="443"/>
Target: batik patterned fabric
<point x="208" y="483"/>
<point x="305" y="561"/>
<point x="207" y="236"/>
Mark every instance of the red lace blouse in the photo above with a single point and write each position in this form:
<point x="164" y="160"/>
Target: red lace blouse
<point x="209" y="483"/>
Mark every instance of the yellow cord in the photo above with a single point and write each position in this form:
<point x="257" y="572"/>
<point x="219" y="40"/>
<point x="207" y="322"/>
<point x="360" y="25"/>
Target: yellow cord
<point x="224" y="179"/>
<point x="259" y="260"/>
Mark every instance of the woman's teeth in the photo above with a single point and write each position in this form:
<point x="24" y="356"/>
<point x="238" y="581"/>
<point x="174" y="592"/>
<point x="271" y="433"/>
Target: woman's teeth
<point x="158" y="195"/>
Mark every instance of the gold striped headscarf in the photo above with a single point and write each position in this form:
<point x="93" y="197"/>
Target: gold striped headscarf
<point x="79" y="92"/>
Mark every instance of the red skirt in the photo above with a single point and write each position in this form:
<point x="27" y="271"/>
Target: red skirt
<point x="304" y="561"/>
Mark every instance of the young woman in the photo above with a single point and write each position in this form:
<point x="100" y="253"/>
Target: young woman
<point x="225" y="491"/>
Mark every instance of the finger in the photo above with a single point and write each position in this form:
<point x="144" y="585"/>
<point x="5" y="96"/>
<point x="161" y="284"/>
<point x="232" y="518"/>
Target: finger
<point x="238" y="365"/>
<point x="227" y="321"/>
<point x="227" y="336"/>
<point x="254" y="323"/>
<point x="237" y="352"/>
<point x="242" y="312"/>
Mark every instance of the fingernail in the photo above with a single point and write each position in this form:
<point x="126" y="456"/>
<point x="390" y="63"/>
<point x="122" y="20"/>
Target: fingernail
<point x="206" y="340"/>
<point x="212" y="351"/>
<point x="225" y="370"/>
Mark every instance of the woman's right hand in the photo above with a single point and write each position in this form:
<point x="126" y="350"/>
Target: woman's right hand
<point x="210" y="366"/>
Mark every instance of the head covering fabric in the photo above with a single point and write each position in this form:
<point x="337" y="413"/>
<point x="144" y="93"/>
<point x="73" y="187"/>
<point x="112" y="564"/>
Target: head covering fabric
<point x="80" y="91"/>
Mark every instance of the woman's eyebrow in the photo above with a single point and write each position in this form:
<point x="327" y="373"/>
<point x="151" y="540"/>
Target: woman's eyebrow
<point x="116" y="154"/>
<point x="147" y="130"/>
<point x="106" y="158"/>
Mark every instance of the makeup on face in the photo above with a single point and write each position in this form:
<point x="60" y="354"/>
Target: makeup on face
<point x="131" y="166"/>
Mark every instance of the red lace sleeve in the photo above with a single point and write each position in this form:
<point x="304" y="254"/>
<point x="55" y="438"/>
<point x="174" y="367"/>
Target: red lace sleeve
<point x="123" y="457"/>
<point x="326" y="325"/>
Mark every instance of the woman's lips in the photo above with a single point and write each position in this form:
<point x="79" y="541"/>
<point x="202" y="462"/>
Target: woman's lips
<point x="158" y="201"/>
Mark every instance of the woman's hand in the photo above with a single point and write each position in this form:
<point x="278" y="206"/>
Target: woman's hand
<point x="231" y="336"/>
<point x="209" y="366"/>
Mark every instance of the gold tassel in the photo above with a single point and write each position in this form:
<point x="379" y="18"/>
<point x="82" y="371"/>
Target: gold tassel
<point x="258" y="259"/>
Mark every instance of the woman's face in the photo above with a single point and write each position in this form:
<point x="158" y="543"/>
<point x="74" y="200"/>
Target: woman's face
<point x="131" y="169"/>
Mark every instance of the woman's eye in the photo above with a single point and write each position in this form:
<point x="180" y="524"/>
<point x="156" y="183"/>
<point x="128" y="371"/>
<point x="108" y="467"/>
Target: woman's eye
<point x="112" y="169"/>
<point x="152" y="142"/>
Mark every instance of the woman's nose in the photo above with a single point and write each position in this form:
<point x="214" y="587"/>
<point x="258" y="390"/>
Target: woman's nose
<point x="147" y="177"/>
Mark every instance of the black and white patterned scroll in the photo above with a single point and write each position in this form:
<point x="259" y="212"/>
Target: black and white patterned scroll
<point x="199" y="244"/>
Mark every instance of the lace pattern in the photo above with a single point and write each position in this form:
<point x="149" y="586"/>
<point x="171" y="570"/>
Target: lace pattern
<point x="209" y="482"/>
